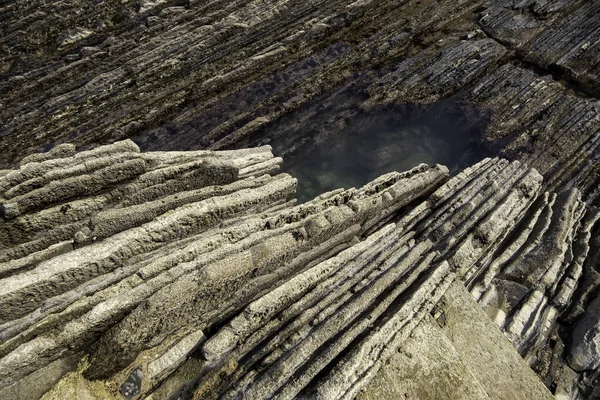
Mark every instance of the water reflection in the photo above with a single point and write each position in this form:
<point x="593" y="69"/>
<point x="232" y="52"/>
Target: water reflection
<point x="376" y="142"/>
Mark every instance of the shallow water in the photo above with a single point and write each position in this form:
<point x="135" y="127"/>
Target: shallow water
<point x="336" y="141"/>
<point x="377" y="142"/>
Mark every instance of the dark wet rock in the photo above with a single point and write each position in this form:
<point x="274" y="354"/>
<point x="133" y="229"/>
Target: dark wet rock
<point x="73" y="36"/>
<point x="146" y="5"/>
<point x="197" y="75"/>
<point x="571" y="46"/>
<point x="516" y="23"/>
<point x="418" y="79"/>
<point x="221" y="80"/>
<point x="540" y="124"/>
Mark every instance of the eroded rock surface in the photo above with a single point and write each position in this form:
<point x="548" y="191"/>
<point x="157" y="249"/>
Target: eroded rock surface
<point x="189" y="75"/>
<point x="186" y="270"/>
<point x="194" y="274"/>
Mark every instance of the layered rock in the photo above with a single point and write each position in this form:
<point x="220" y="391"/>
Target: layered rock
<point x="195" y="74"/>
<point x="443" y="358"/>
<point x="434" y="74"/>
<point x="559" y="36"/>
<point x="131" y="260"/>
<point x="172" y="249"/>
<point x="542" y="125"/>
<point x="111" y="71"/>
<point x="194" y="274"/>
<point x="529" y="284"/>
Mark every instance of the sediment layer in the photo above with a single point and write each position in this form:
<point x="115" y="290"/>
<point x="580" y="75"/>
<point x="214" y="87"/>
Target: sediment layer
<point x="195" y="274"/>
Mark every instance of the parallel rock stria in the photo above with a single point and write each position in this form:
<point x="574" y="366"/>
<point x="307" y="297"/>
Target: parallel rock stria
<point x="195" y="274"/>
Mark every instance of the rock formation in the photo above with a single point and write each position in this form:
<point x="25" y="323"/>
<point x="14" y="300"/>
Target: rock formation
<point x="189" y="75"/>
<point x="188" y="269"/>
<point x="195" y="274"/>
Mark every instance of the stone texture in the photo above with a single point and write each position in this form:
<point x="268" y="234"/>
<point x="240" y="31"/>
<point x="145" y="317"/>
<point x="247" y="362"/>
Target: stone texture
<point x="188" y="75"/>
<point x="223" y="286"/>
<point x="477" y="343"/>
<point x="426" y="367"/>
<point x="443" y="359"/>
<point x="130" y="256"/>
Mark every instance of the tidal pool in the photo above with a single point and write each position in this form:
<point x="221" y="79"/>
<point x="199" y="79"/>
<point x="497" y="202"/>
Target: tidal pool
<point x="395" y="139"/>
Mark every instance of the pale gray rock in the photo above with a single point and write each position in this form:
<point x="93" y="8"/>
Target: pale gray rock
<point x="585" y="346"/>
<point x="197" y="274"/>
<point x="146" y="5"/>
